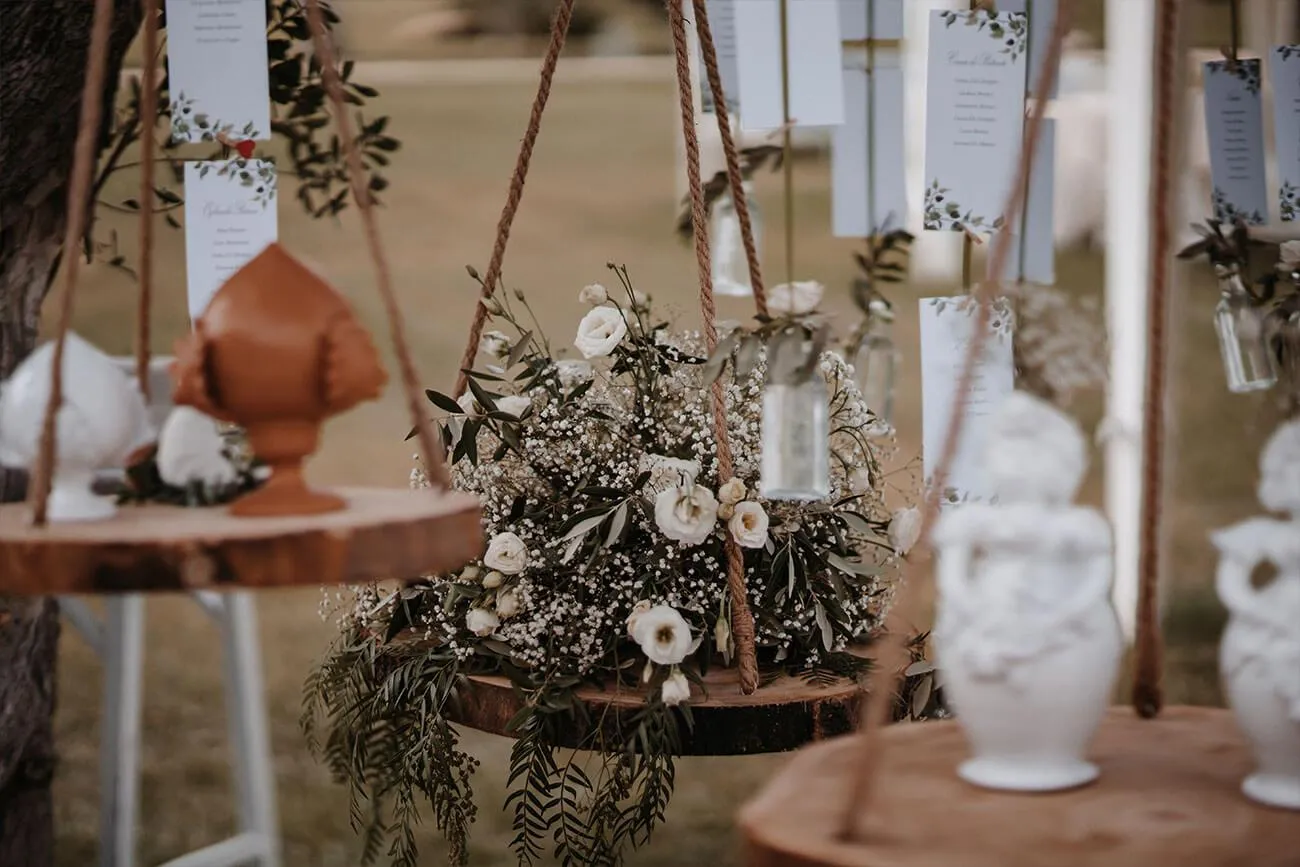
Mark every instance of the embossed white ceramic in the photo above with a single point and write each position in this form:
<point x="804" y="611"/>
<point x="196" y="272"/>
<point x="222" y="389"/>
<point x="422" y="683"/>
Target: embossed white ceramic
<point x="1259" y="656"/>
<point x="102" y="420"/>
<point x="1026" y="636"/>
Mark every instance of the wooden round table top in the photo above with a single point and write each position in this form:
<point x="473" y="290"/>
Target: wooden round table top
<point x="1169" y="794"/>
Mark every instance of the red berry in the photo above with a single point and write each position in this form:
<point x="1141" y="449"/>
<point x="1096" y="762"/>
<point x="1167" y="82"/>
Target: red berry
<point x="245" y="148"/>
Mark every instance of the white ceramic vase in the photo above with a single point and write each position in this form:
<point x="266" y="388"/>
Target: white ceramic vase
<point x="1026" y="637"/>
<point x="1259" y="656"/>
<point x="102" y="421"/>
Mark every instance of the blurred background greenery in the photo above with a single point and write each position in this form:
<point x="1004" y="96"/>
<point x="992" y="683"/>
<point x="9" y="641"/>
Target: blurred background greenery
<point x="601" y="189"/>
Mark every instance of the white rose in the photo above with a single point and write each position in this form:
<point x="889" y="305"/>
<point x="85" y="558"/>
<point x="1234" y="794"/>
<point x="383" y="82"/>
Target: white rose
<point x="637" y="610"/>
<point x="795" y="299"/>
<point x="506" y="553"/>
<point x="677" y="688"/>
<point x="599" y="332"/>
<point x="515" y="405"/>
<point x="594" y="295"/>
<point x="732" y="492"/>
<point x="1289" y="258"/>
<point x="493" y="580"/>
<point x="904" y="530"/>
<point x="495" y="344"/>
<point x="749" y="525"/>
<point x="469" y="406"/>
<point x="664" y="635"/>
<point x="573" y="372"/>
<point x="860" y="480"/>
<point x="508" y="604"/>
<point x="686" y="514"/>
<point x="666" y="472"/>
<point x="481" y="622"/>
<point x="190" y="449"/>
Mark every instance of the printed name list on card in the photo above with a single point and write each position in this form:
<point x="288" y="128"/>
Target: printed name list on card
<point x="217" y="69"/>
<point x="1235" y="124"/>
<point x="230" y="217"/>
<point x="722" y="23"/>
<point x="947" y="328"/>
<point x="815" y="69"/>
<point x="1285" y="67"/>
<point x="974" y="117"/>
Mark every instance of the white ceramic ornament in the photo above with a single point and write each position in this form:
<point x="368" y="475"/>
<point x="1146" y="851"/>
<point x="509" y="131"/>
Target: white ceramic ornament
<point x="102" y="421"/>
<point x="1259" y="656"/>
<point x="1026" y="637"/>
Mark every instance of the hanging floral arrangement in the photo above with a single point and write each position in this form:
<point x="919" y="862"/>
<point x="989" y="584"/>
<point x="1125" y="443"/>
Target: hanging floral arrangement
<point x="606" y="566"/>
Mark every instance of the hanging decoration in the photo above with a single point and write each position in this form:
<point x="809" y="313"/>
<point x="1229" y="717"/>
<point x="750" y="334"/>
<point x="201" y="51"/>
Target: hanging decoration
<point x="871" y="344"/>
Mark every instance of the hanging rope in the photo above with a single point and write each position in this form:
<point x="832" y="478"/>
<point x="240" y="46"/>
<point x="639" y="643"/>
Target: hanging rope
<point x="742" y="622"/>
<point x="1149" y="645"/>
<point x="83" y="163"/>
<point x="559" y="32"/>
<point x="148" y="118"/>
<point x="430" y="445"/>
<point x="737" y="182"/>
<point x="883" y="680"/>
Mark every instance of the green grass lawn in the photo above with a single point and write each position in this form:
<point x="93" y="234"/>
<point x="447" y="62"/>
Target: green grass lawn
<point x="602" y="189"/>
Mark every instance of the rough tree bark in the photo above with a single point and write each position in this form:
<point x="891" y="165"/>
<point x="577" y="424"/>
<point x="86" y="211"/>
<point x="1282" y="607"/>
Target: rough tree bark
<point x="43" y="45"/>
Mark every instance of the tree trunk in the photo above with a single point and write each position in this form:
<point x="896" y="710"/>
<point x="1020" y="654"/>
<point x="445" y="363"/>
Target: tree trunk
<point x="43" y="46"/>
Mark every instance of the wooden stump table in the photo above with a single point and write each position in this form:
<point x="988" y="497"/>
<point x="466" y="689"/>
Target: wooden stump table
<point x="1169" y="794"/>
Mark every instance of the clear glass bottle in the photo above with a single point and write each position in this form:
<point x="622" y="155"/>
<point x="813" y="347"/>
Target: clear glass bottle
<point x="1247" y="362"/>
<point x="796" y="461"/>
<point x="875" y="365"/>
<point x="727" y="247"/>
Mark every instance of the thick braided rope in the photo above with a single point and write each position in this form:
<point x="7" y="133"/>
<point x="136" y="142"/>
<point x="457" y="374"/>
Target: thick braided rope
<point x="430" y="444"/>
<point x="83" y="164"/>
<point x="148" y="116"/>
<point x="882" y="682"/>
<point x="742" y="622"/>
<point x="1147" y="696"/>
<point x="738" y="197"/>
<point x="559" y="32"/>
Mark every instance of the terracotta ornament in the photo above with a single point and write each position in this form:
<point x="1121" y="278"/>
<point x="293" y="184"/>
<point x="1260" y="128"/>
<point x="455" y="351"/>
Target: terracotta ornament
<point x="277" y="352"/>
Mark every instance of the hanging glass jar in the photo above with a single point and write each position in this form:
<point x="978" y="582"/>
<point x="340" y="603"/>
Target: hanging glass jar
<point x="875" y="361"/>
<point x="1247" y="362"/>
<point x="727" y="246"/>
<point x="796" y="422"/>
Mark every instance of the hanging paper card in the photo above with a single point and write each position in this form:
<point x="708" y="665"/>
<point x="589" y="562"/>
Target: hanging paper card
<point x="974" y="118"/>
<point x="868" y="152"/>
<point x="1033" y="250"/>
<point x="886" y="20"/>
<point x="816" y="83"/>
<point x="722" y="23"/>
<point x="947" y="328"/>
<point x="1042" y="20"/>
<point x="217" y="69"/>
<point x="230" y="217"/>
<point x="1235" y="123"/>
<point x="1286" y="127"/>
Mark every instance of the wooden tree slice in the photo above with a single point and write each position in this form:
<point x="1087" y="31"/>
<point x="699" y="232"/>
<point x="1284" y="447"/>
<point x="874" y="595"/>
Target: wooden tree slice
<point x="782" y="715"/>
<point x="384" y="533"/>
<point x="1169" y="793"/>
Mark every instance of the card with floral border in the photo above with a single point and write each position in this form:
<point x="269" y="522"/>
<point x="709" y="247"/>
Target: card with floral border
<point x="1042" y="20"/>
<point x="1234" y="122"/>
<point x="974" y="117"/>
<point x="1284" y="67"/>
<point x="869" y="151"/>
<point x="947" y="327"/>
<point x="815" y="69"/>
<point x="722" y="23"/>
<point x="217" y="69"/>
<point x="230" y="217"/>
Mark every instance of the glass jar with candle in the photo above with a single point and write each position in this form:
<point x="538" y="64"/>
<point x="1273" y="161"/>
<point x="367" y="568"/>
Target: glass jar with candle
<point x="796" y="422"/>
<point x="1247" y="362"/>
<point x="875" y="360"/>
<point x="727" y="246"/>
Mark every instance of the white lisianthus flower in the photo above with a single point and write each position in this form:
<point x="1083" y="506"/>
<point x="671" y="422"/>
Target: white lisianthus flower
<point x="748" y="525"/>
<point x="506" y="553"/>
<point x="481" y="622"/>
<point x="905" y="530"/>
<point x="664" y="635"/>
<point x="795" y="299"/>
<point x="573" y="371"/>
<point x="508" y="604"/>
<point x="676" y="689"/>
<point x="495" y="344"/>
<point x="860" y="480"/>
<point x="666" y="472"/>
<point x="599" y="332"/>
<point x="732" y="492"/>
<point x="470" y="574"/>
<point x="515" y="405"/>
<point x="637" y="610"/>
<point x="493" y="580"/>
<point x="1289" y="256"/>
<point x="594" y="295"/>
<point x="190" y="449"/>
<point x="469" y="406"/>
<point x="686" y="514"/>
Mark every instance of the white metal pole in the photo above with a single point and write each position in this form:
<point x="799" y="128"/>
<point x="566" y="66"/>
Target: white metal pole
<point x="1130" y="34"/>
